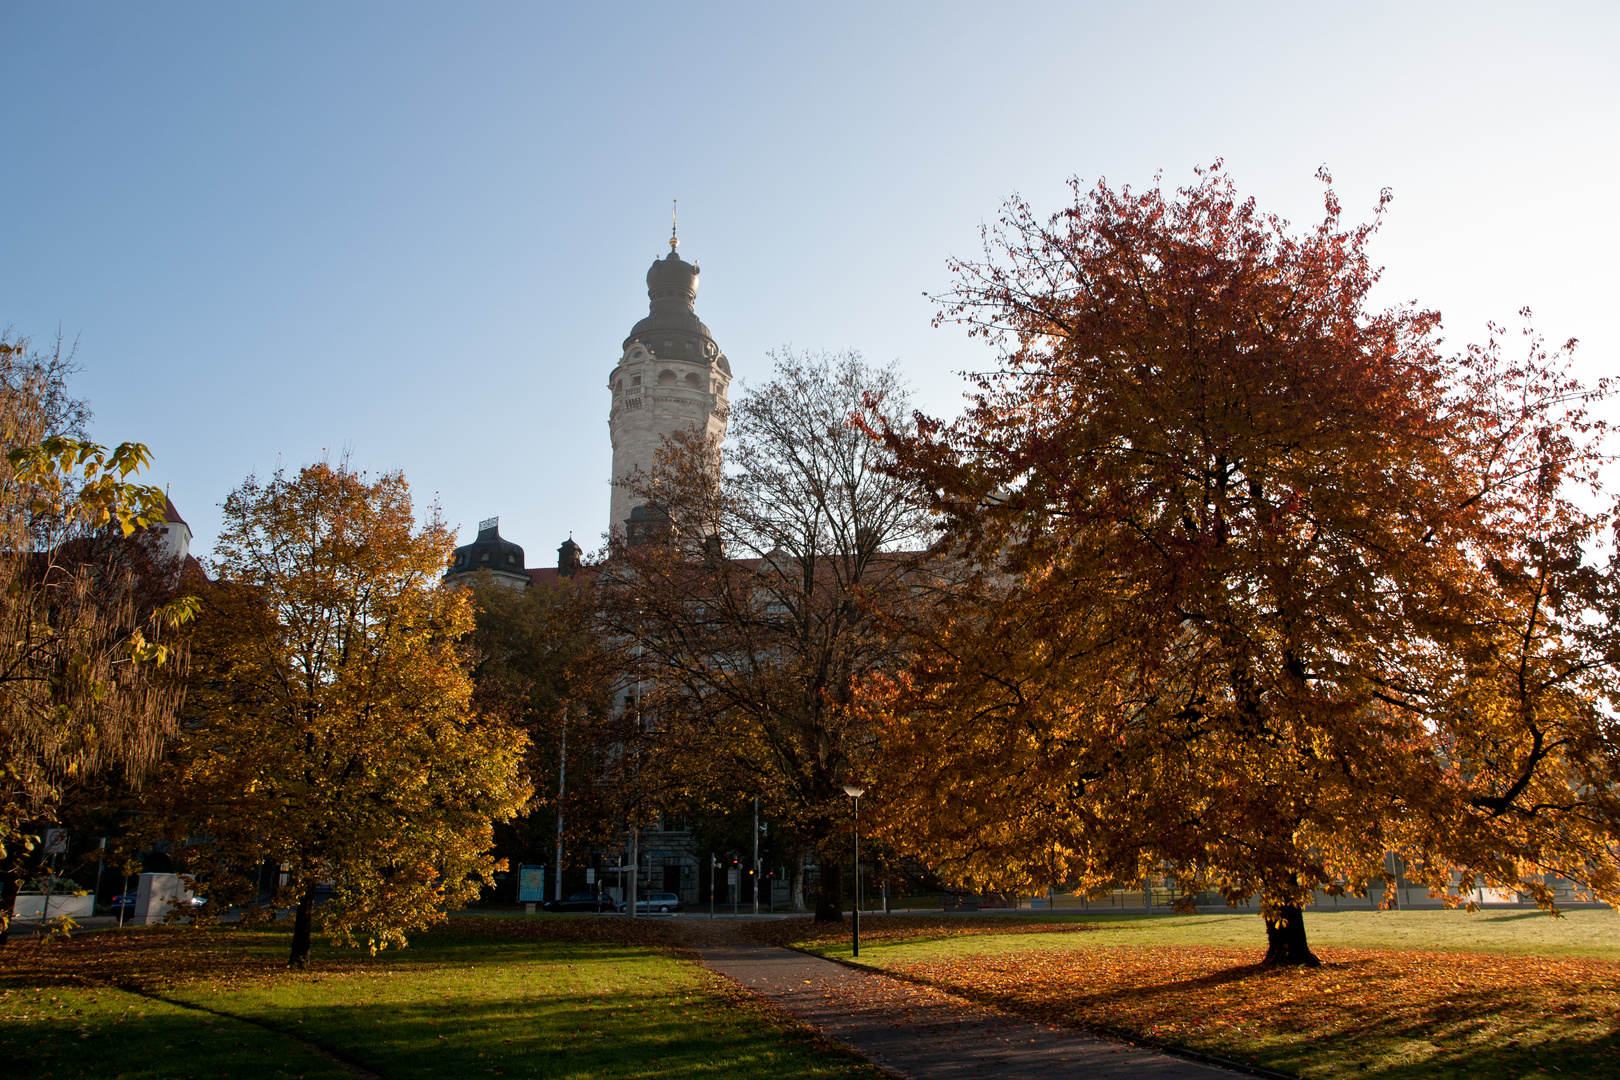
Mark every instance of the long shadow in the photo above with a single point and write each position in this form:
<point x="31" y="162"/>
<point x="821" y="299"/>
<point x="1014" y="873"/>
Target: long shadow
<point x="1451" y="1032"/>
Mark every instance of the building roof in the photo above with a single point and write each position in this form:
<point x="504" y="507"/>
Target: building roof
<point x="672" y="295"/>
<point x="488" y="552"/>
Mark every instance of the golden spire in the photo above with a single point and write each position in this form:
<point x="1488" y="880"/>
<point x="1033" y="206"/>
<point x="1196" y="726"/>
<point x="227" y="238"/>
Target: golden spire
<point x="673" y="242"/>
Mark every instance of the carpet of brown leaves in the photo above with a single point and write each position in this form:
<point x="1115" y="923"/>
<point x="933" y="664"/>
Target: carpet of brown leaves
<point x="1363" y="1009"/>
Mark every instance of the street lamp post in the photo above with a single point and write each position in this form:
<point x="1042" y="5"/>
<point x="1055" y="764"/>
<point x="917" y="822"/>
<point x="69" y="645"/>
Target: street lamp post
<point x="855" y="794"/>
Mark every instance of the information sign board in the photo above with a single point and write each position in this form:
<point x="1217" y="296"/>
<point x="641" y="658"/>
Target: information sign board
<point x="531" y="884"/>
<point x="590" y="877"/>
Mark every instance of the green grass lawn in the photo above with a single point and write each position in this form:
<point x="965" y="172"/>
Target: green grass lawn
<point x="479" y="1000"/>
<point x="1586" y="932"/>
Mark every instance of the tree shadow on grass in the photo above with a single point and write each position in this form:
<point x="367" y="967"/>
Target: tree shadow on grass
<point x="106" y="1033"/>
<point x="1355" y="1017"/>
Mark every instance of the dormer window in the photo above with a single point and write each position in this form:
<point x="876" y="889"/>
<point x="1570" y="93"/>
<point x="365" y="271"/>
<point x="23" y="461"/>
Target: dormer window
<point x="635" y="380"/>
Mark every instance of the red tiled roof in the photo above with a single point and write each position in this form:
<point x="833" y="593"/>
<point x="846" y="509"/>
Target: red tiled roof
<point x="548" y="575"/>
<point x="171" y="513"/>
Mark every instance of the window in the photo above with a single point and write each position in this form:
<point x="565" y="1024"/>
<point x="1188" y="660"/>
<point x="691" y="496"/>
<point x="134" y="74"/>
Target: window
<point x="693" y="382"/>
<point x="635" y="380"/>
<point x="669" y="344"/>
<point x="666" y="378"/>
<point x="618" y="387"/>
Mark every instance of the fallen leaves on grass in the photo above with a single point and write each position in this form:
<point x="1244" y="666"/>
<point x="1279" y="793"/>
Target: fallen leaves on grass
<point x="1363" y="1009"/>
<point x="154" y="960"/>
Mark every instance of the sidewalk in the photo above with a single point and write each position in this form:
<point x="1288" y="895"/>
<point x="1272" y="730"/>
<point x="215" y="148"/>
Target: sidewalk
<point x="925" y="1034"/>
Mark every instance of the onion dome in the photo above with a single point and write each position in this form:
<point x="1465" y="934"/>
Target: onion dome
<point x="490" y="552"/>
<point x="672" y="329"/>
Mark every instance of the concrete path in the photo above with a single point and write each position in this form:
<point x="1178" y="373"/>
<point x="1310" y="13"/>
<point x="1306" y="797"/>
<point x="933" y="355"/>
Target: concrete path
<point x="926" y="1034"/>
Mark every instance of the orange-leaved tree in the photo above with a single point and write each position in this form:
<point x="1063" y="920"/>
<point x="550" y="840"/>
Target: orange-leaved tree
<point x="328" y="739"/>
<point x="1266" y="587"/>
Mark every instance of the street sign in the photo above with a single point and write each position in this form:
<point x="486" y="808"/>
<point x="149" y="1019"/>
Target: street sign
<point x="56" y="841"/>
<point x="731" y="876"/>
<point x="590" y="877"/>
<point x="531" y="884"/>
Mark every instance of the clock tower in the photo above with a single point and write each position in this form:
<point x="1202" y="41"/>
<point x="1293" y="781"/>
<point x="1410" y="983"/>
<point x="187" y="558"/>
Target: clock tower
<point x="671" y="376"/>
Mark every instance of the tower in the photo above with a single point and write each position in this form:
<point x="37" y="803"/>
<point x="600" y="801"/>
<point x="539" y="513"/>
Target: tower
<point x="671" y="377"/>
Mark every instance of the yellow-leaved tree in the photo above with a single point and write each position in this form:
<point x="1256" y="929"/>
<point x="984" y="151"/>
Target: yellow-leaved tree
<point x="329" y="745"/>
<point x="85" y="606"/>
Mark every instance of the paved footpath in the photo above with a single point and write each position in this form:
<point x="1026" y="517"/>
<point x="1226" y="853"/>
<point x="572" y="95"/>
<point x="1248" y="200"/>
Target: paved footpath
<point x="925" y="1034"/>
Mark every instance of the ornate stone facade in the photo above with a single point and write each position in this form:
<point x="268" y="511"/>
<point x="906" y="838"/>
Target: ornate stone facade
<point x="671" y="376"/>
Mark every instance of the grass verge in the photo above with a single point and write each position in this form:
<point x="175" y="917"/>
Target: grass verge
<point x="552" y="997"/>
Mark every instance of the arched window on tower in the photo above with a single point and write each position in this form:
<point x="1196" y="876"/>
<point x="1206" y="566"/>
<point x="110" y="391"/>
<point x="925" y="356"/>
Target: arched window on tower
<point x="693" y="382"/>
<point x="666" y="378"/>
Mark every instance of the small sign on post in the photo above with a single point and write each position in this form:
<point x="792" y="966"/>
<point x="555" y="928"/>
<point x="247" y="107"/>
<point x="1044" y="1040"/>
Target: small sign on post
<point x="56" y="841"/>
<point x="590" y="877"/>
<point x="531" y="887"/>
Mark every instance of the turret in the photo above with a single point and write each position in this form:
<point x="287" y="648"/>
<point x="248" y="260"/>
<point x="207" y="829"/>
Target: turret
<point x="671" y="376"/>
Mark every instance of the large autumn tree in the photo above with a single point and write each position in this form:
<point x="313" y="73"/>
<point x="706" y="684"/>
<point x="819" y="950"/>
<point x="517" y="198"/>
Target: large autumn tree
<point x="85" y="604"/>
<point x="761" y="600"/>
<point x="328" y="737"/>
<point x="1265" y="586"/>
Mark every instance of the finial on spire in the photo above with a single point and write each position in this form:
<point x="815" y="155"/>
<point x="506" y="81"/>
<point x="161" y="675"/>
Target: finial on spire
<point x="673" y="241"/>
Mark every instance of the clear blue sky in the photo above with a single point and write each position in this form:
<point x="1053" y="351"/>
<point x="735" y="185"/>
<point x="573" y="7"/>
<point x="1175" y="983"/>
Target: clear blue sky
<point x="418" y="232"/>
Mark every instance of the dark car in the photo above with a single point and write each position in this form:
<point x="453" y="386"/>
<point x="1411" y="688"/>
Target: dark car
<point x="580" y="901"/>
<point x="123" y="903"/>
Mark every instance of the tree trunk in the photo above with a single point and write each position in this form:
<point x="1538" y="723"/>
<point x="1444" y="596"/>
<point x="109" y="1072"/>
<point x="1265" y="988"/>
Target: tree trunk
<point x="1285" y="937"/>
<point x="9" y="885"/>
<point x="796" y="884"/>
<point x="830" y="894"/>
<point x="301" y="925"/>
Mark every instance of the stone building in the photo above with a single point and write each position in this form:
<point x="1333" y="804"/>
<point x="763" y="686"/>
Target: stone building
<point x="671" y="376"/>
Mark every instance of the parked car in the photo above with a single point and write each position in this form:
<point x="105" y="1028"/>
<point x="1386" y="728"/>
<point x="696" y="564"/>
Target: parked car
<point x="580" y="901"/>
<point x="662" y="902"/>
<point x="125" y="903"/>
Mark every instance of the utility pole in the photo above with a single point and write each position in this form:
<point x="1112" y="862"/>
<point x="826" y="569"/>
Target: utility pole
<point x="756" y="854"/>
<point x="635" y="847"/>
<point x="562" y="775"/>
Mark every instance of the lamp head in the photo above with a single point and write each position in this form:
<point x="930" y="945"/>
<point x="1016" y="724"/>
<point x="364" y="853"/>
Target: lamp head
<point x="854" y="791"/>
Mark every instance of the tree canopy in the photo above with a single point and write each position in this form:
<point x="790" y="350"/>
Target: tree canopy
<point x="86" y="606"/>
<point x="748" y="623"/>
<point x="1265" y="585"/>
<point x="329" y="737"/>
